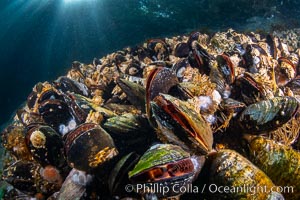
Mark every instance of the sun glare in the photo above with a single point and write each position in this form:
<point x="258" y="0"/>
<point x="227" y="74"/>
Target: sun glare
<point x="73" y="1"/>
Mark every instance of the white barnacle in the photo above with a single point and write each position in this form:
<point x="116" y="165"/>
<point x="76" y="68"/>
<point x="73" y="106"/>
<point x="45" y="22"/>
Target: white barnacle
<point x="38" y="139"/>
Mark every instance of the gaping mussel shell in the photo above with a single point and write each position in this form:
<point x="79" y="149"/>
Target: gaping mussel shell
<point x="249" y="90"/>
<point x="45" y="145"/>
<point x="281" y="163"/>
<point x="88" y="146"/>
<point x="165" y="165"/>
<point x="229" y="168"/>
<point x="222" y="75"/>
<point x="181" y="125"/>
<point x="200" y="58"/>
<point x="268" y="115"/>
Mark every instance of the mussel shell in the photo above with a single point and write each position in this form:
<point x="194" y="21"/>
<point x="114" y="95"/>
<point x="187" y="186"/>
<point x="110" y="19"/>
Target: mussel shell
<point x="160" y="80"/>
<point x="45" y="145"/>
<point x="226" y="68"/>
<point x="249" y="90"/>
<point x="181" y="125"/>
<point x="134" y="68"/>
<point x="88" y="146"/>
<point x="268" y="115"/>
<point x="21" y="175"/>
<point x="271" y="42"/>
<point x="130" y="132"/>
<point x="165" y="165"/>
<point x="194" y="36"/>
<point x="229" y="168"/>
<point x="159" y="154"/>
<point x="66" y="84"/>
<point x="55" y="113"/>
<point x="135" y="92"/>
<point x="281" y="163"/>
<point x="31" y="99"/>
<point x="78" y="106"/>
<point x="294" y="85"/>
<point x="74" y="185"/>
<point x="182" y="50"/>
<point x="125" y="123"/>
<point x="179" y="67"/>
<point x="25" y="176"/>
<point x="49" y="94"/>
<point x="285" y="71"/>
<point x="200" y="58"/>
<point x="118" y="178"/>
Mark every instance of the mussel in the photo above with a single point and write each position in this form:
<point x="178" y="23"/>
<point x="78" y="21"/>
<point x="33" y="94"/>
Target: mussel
<point x="181" y="125"/>
<point x="166" y="166"/>
<point x="243" y="179"/>
<point x="281" y="163"/>
<point x="268" y="115"/>
<point x="285" y="71"/>
<point x="94" y="145"/>
<point x="45" y="145"/>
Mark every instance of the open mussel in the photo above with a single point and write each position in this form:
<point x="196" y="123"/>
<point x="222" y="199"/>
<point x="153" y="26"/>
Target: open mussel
<point x="181" y="125"/>
<point x="223" y="75"/>
<point x="268" y="115"/>
<point x="249" y="90"/>
<point x="92" y="143"/>
<point x="164" y="165"/>
<point x="200" y="58"/>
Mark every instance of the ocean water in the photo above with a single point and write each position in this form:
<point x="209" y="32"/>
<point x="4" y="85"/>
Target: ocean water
<point x="40" y="38"/>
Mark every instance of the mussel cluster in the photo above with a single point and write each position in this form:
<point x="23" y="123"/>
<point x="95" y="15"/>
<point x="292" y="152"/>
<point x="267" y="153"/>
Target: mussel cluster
<point x="181" y="112"/>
